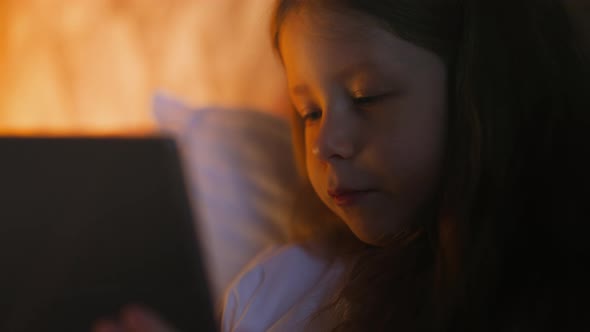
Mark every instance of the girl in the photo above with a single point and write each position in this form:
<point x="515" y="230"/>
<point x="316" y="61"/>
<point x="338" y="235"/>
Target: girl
<point x="443" y="144"/>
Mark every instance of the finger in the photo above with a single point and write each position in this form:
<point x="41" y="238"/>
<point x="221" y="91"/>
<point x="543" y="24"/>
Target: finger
<point x="140" y="319"/>
<point x="107" y="326"/>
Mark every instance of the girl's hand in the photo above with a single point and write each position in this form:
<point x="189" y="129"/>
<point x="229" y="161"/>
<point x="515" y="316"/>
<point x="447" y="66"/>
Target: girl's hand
<point x="133" y="319"/>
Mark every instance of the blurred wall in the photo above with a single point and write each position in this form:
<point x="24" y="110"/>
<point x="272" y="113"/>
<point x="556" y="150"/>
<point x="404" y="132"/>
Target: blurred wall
<point x="95" y="64"/>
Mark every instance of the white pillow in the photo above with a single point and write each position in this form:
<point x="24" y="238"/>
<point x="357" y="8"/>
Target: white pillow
<point x="241" y="177"/>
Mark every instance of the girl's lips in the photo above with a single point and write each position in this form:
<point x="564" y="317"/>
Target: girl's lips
<point x="347" y="197"/>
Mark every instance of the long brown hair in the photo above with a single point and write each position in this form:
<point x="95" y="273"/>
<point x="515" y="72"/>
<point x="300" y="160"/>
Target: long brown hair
<point x="507" y="248"/>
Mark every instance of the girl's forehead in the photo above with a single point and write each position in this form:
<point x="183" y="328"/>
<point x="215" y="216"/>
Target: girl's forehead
<point x="341" y="38"/>
<point x="331" y="24"/>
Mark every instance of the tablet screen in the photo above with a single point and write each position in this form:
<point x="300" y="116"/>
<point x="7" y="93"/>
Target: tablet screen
<point x="88" y="225"/>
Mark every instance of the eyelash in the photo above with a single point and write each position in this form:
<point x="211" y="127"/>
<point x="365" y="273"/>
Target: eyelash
<point x="309" y="116"/>
<point x="364" y="100"/>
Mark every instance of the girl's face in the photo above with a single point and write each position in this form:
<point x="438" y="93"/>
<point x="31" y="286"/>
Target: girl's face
<point x="374" y="112"/>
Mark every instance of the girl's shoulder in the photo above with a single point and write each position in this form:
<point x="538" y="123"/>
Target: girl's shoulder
<point x="279" y="289"/>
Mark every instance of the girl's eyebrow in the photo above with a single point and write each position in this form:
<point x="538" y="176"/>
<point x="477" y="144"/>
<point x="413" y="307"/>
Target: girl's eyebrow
<point x="300" y="90"/>
<point x="346" y="73"/>
<point x="356" y="68"/>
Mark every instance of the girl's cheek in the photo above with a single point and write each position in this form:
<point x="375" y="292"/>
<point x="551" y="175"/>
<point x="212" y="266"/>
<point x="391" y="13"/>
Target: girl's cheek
<point x="310" y="144"/>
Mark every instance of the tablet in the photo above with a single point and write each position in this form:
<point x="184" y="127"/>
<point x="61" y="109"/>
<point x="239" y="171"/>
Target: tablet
<point x="88" y="225"/>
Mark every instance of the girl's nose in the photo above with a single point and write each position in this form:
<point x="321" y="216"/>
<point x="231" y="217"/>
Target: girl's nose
<point x="338" y="135"/>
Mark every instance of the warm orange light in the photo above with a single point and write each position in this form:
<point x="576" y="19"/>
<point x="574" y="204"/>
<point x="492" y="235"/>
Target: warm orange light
<point x="44" y="132"/>
<point x="92" y="66"/>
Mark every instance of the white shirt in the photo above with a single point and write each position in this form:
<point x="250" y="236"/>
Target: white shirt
<point x="280" y="291"/>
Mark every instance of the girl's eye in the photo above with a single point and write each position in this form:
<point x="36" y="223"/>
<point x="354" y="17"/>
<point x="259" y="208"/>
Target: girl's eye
<point x="312" y="116"/>
<point x="364" y="100"/>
